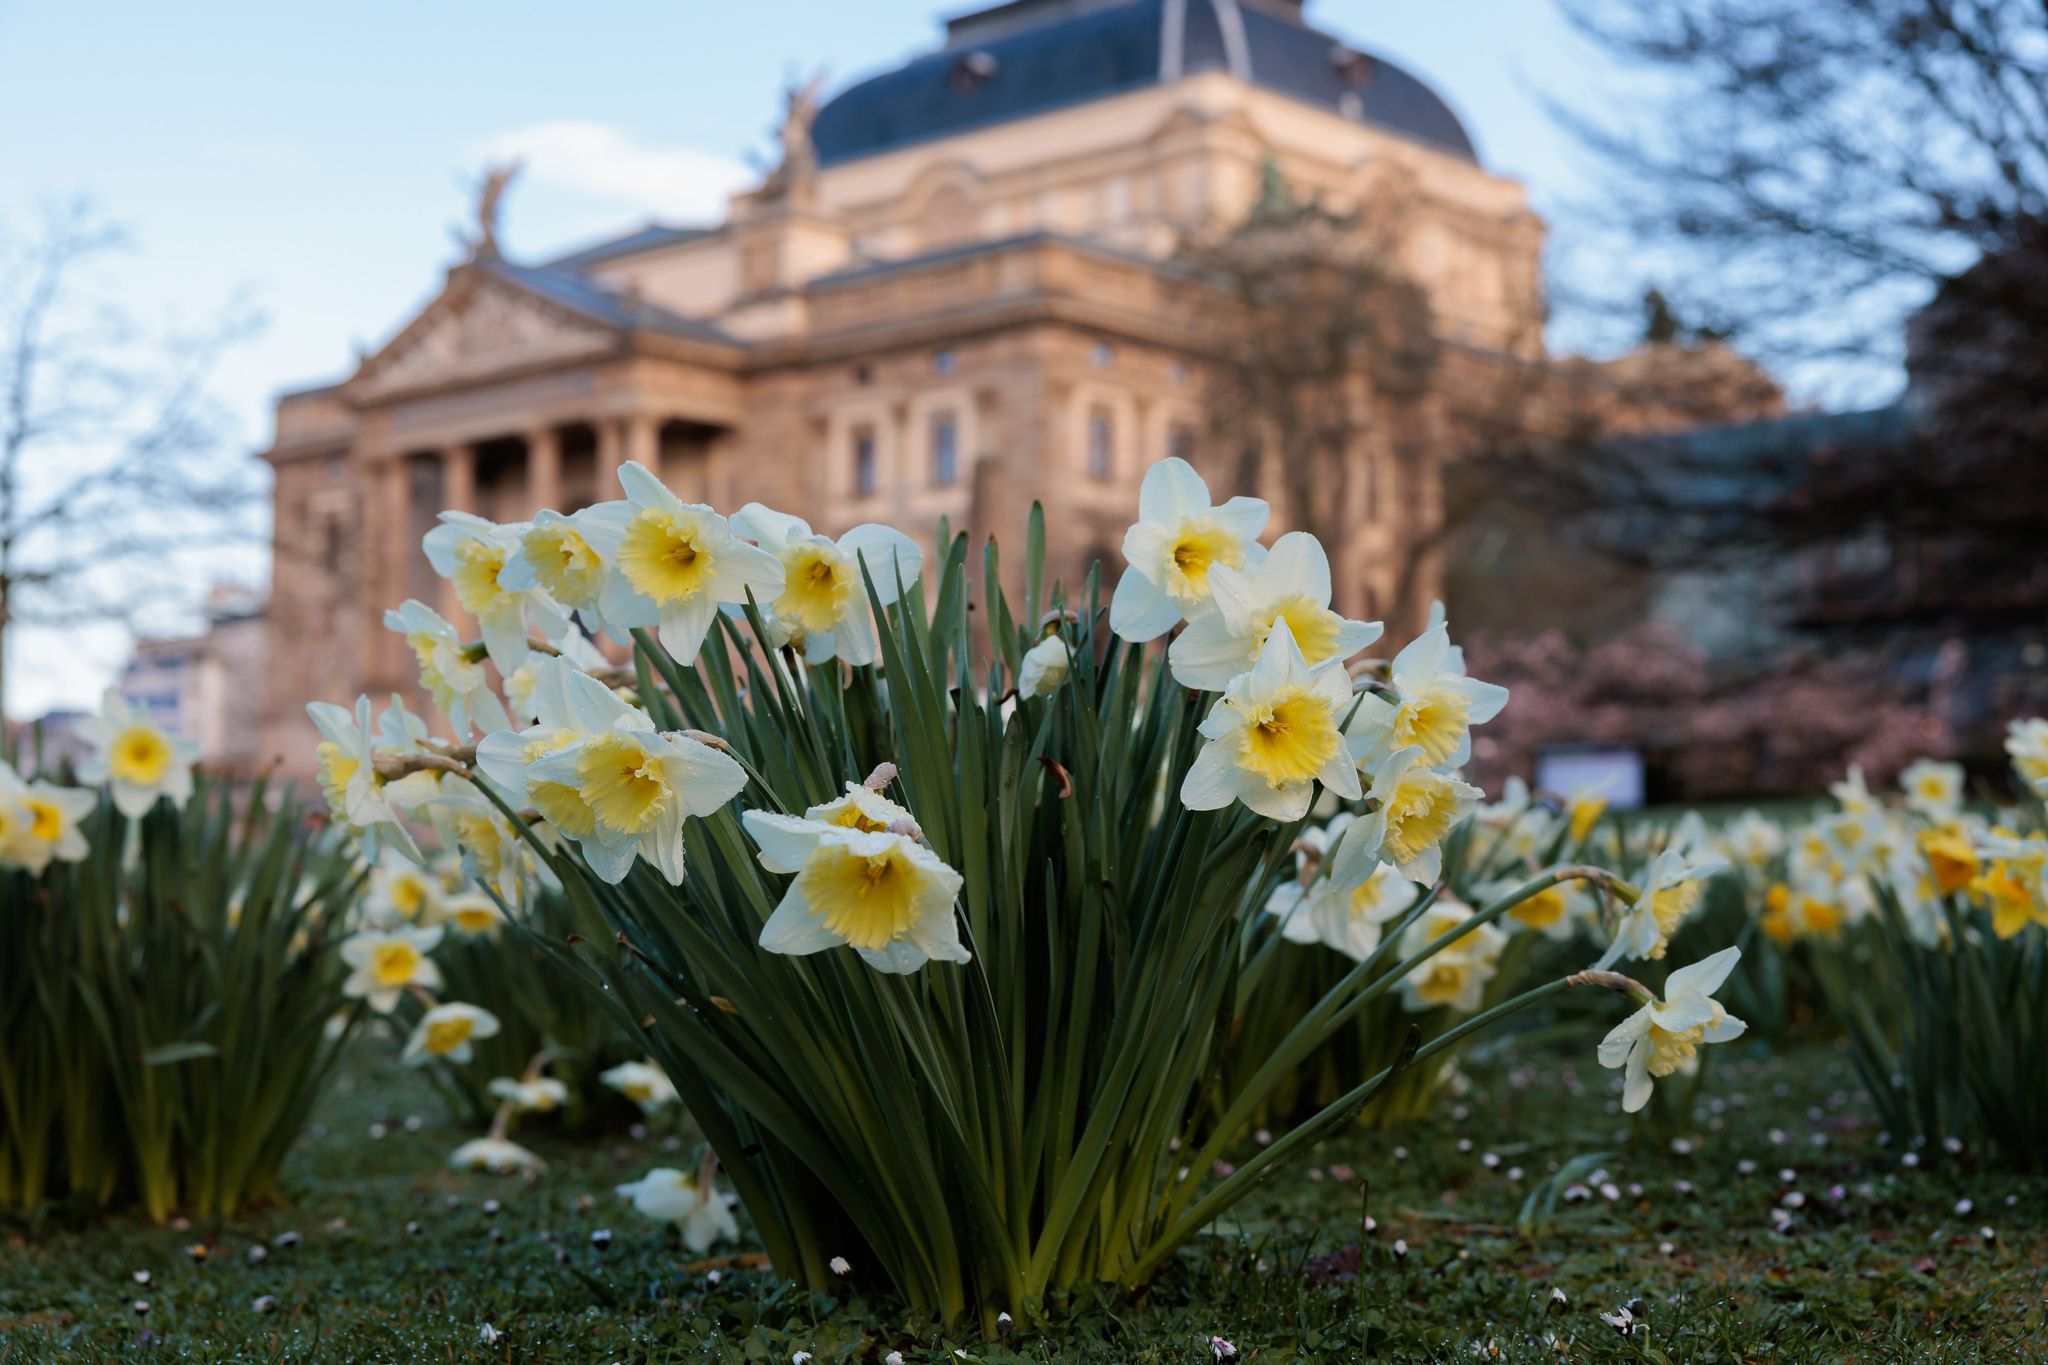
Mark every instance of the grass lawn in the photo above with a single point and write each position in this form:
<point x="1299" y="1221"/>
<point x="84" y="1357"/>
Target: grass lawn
<point x="399" y="1259"/>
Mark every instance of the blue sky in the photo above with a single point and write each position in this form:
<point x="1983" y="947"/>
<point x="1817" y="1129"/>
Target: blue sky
<point x="315" y="157"/>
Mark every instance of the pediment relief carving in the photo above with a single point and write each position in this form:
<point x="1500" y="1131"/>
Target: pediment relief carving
<point x="473" y="332"/>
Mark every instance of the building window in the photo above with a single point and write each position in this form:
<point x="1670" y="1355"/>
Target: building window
<point x="863" y="376"/>
<point x="1102" y="355"/>
<point x="945" y="450"/>
<point x="1101" y="443"/>
<point x="943" y="362"/>
<point x="1180" y="442"/>
<point x="864" y="475"/>
<point x="1177" y="372"/>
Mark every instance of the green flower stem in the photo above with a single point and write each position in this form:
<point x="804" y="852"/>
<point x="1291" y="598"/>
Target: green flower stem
<point x="1345" y="1001"/>
<point x="1241" y="1182"/>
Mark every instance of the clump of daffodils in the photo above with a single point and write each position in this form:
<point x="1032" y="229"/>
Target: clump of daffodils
<point x="845" y="966"/>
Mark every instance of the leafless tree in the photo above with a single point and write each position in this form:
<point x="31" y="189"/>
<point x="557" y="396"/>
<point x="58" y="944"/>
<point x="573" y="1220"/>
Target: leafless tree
<point x="113" y="471"/>
<point x="1849" y="180"/>
<point x="1821" y="167"/>
<point x="1323" y="363"/>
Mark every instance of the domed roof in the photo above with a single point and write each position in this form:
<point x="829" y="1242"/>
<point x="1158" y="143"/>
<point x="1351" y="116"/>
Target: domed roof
<point x="1031" y="56"/>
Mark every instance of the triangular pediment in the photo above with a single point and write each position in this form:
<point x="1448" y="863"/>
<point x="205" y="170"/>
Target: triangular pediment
<point x="479" y="326"/>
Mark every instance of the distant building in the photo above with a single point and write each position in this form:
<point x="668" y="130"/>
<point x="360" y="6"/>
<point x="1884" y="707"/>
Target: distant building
<point x="957" y="294"/>
<point x="209" y="688"/>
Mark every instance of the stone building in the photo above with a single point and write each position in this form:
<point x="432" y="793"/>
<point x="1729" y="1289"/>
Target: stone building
<point x="960" y="291"/>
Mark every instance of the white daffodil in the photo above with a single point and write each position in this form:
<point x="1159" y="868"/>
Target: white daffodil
<point x="1347" y="907"/>
<point x="472" y="553"/>
<point x="1045" y="667"/>
<point x="40" y="822"/>
<point x="823" y="605"/>
<point x="137" y="758"/>
<point x="1752" y="842"/>
<point x="541" y="1095"/>
<point x="2026" y="743"/>
<point x="1177" y="539"/>
<point x="1274" y="734"/>
<point x="1671" y="890"/>
<point x="457" y="682"/>
<point x="676" y="564"/>
<point x="598" y="772"/>
<point x="644" y="1083"/>
<point x="632" y="789"/>
<point x="1664" y="1036"/>
<point x="384" y="962"/>
<point x="496" y="1155"/>
<point x="1291" y="584"/>
<point x="520" y="686"/>
<point x="358" y="798"/>
<point x="1414" y="808"/>
<point x="558" y="555"/>
<point x="1434" y="708"/>
<point x="471" y="913"/>
<point x="446" y="1031"/>
<point x="1556" y="912"/>
<point x="401" y="891"/>
<point x="883" y="894"/>
<point x="495" y="856"/>
<point x="668" y="1196"/>
<point x="1933" y="789"/>
<point x="864" y="809"/>
<point x="1852" y="793"/>
<point x="1455" y="976"/>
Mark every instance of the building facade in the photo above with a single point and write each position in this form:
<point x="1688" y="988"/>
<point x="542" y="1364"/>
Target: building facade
<point x="961" y="291"/>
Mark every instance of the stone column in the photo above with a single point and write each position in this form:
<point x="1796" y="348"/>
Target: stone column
<point x="610" y="455"/>
<point x="458" y="494"/>
<point x="387" y="549"/>
<point x="643" y="442"/>
<point x="458" y="478"/>
<point x="544" y="468"/>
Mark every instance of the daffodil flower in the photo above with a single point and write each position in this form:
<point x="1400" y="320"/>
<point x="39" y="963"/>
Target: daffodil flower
<point x="1045" y="667"/>
<point x="2026" y="743"/>
<point x="472" y="914"/>
<point x="445" y="1032"/>
<point x="458" y="683"/>
<point x="497" y="1155"/>
<point x="139" y="760"/>
<point x="1434" y="708"/>
<point x="883" y="894"/>
<point x="40" y="822"/>
<point x="1671" y="890"/>
<point x="1851" y="792"/>
<point x="599" y="773"/>
<point x="1292" y="584"/>
<point x="823" y="605"/>
<point x="358" y="798"/>
<point x="668" y="1196"/>
<point x="644" y="1083"/>
<point x="1556" y="912"/>
<point x="472" y="553"/>
<point x="384" y="963"/>
<point x="1414" y="807"/>
<point x="1752" y="842"/>
<point x="558" y="555"/>
<point x="1665" y="1036"/>
<point x="541" y="1095"/>
<point x="1933" y="789"/>
<point x="401" y="891"/>
<point x="1274" y="734"/>
<point x="675" y="564"/>
<point x="864" y="809"/>
<point x="1454" y="976"/>
<point x="636" y="787"/>
<point x="1178" y="538"/>
<point x="1348" y="900"/>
